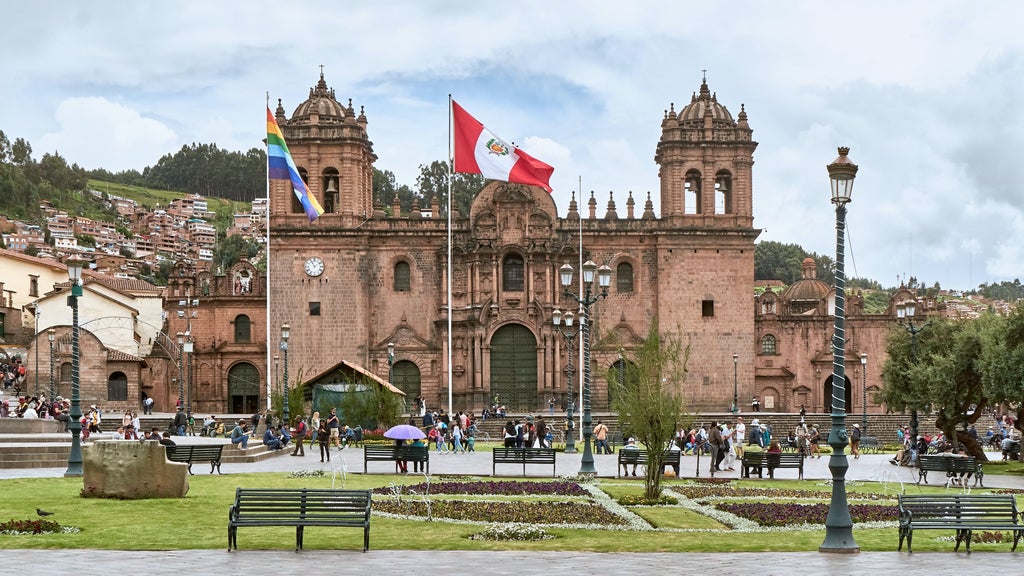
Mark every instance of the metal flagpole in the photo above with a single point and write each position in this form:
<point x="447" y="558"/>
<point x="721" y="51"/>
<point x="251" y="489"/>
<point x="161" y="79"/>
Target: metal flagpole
<point x="451" y="175"/>
<point x="579" y="311"/>
<point x="267" y="295"/>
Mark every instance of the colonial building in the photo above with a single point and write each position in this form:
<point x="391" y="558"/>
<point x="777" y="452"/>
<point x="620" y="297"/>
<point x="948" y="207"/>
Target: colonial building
<point x="357" y="279"/>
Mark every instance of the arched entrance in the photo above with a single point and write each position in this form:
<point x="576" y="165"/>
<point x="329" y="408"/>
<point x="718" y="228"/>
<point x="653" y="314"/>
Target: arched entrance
<point x="827" y="394"/>
<point x="514" y="368"/>
<point x="117" y="387"/>
<point x="405" y="375"/>
<point x="243" y="388"/>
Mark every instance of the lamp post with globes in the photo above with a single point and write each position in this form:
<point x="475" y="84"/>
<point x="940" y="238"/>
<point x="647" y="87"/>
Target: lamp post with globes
<point x="864" y="390"/>
<point x="75" y="266"/>
<point x="570" y="335"/>
<point x="905" y="312"/>
<point x="735" y="384"/>
<point x="838" y="523"/>
<point x="286" y="332"/>
<point x="588" y="298"/>
<point x="181" y="370"/>
<point x="50" y="335"/>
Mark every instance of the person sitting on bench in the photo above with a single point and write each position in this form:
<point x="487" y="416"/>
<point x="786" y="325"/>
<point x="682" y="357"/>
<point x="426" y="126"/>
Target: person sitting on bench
<point x="630" y="445"/>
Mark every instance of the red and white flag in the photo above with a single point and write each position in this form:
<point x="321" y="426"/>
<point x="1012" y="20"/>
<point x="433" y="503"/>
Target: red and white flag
<point x="479" y="151"/>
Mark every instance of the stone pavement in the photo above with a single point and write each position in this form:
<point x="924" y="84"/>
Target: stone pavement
<point x="385" y="562"/>
<point x="868" y="467"/>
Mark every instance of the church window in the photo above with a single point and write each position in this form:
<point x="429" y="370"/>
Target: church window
<point x="33" y="286"/>
<point x="513" y="273"/>
<point x="768" y="345"/>
<point x="707" y="308"/>
<point x="402" y="281"/>
<point x="243" y="328"/>
<point x="723" y="193"/>
<point x="691" y="199"/>
<point x="624" y="277"/>
<point x="314" y="308"/>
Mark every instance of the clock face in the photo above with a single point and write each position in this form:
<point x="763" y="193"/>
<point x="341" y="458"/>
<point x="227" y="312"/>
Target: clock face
<point x="314" y="266"/>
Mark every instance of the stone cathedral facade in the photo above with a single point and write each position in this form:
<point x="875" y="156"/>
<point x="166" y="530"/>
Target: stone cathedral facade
<point x="358" y="279"/>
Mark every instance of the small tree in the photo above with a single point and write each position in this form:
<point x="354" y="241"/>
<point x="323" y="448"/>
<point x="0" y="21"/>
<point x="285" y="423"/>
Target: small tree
<point x="371" y="404"/>
<point x="650" y="402"/>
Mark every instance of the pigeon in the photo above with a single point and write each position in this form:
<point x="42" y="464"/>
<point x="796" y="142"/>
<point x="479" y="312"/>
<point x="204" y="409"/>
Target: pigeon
<point x="42" y="512"/>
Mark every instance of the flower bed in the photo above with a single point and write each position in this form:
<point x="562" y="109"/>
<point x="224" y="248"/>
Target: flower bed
<point x="503" y="488"/>
<point x="783" y="514"/>
<point x="521" y="512"/>
<point x="18" y="527"/>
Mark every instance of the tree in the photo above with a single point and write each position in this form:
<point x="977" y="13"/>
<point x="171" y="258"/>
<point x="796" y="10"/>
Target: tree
<point x="370" y="404"/>
<point x="650" y="402"/>
<point x="385" y="189"/>
<point x="1002" y="362"/>
<point x="941" y="375"/>
<point x="433" y="181"/>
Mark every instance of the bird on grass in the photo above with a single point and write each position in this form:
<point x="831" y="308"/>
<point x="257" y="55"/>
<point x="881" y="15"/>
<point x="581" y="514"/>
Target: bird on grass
<point x="42" y="512"/>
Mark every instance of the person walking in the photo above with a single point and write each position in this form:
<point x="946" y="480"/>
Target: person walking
<point x="299" y="437"/>
<point x="715" y="441"/>
<point x="323" y="437"/>
<point x="180" y="421"/>
<point x="601" y="437"/>
<point x="855" y="441"/>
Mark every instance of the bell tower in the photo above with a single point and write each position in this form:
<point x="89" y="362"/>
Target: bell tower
<point x="705" y="161"/>
<point x="333" y="154"/>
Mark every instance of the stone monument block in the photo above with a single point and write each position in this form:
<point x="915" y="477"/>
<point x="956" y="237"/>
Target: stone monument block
<point x="131" y="470"/>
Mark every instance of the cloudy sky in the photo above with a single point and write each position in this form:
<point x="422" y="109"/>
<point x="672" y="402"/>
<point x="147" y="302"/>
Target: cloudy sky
<point x="927" y="94"/>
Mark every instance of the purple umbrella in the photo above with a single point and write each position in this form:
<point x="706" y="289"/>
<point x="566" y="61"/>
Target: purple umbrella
<point x="404" y="432"/>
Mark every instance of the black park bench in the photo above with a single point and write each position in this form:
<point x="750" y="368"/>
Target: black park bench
<point x="299" y="507"/>
<point x="771" y="461"/>
<point x="523" y="456"/>
<point x="953" y="466"/>
<point x="638" y="457"/>
<point x="190" y="453"/>
<point x="964" y="513"/>
<point x="381" y="453"/>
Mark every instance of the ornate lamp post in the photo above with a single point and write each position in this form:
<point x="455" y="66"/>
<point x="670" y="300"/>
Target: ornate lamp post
<point x="570" y="346"/>
<point x="838" y="524"/>
<point x="391" y="364"/>
<point x="735" y="385"/>
<point x="75" y="266"/>
<point x="181" y="370"/>
<point x="905" y="316"/>
<point x="50" y="335"/>
<point x="277" y="379"/>
<point x="189" y="347"/>
<point x="36" y="346"/>
<point x="864" y="390"/>
<point x="589" y="297"/>
<point x="286" y="331"/>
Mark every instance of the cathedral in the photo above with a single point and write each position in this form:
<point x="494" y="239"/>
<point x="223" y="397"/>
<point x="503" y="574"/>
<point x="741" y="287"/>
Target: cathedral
<point x="360" y="278"/>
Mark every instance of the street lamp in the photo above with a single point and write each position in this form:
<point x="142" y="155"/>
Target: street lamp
<point x="391" y="364"/>
<point x="181" y="368"/>
<point x="36" y="346"/>
<point x="735" y="387"/>
<point x="75" y="266"/>
<point x="285" y="333"/>
<point x="838" y="524"/>
<point x="50" y="335"/>
<point x="570" y="346"/>
<point x="905" y="316"/>
<point x="864" y="390"/>
<point x="277" y="379"/>
<point x="589" y="297"/>
<point x="189" y="347"/>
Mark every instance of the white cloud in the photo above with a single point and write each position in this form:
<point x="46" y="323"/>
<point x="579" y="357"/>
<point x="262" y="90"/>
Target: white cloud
<point x="97" y="133"/>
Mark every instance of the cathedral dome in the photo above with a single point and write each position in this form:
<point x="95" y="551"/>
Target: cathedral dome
<point x="693" y="113"/>
<point x="323" y="104"/>
<point x="808" y="288"/>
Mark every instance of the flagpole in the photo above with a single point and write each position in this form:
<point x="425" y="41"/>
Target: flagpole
<point x="451" y="175"/>
<point x="579" y="312"/>
<point x="267" y="291"/>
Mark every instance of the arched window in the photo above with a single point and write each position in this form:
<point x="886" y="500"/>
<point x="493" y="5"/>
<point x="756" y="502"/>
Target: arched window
<point x="624" y="277"/>
<point x="401" y="281"/>
<point x="768" y="344"/>
<point x="117" y="387"/>
<point x="243" y="329"/>
<point x="512" y="273"/>
<point x="723" y="193"/>
<point x="691" y="199"/>
<point x="243" y="388"/>
<point x="64" y="386"/>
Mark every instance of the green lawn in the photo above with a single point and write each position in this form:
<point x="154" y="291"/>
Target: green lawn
<point x="200" y="521"/>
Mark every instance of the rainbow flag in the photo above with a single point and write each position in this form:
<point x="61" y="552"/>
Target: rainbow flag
<point x="280" y="166"/>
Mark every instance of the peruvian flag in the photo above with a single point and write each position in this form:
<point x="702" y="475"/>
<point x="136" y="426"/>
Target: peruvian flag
<point x="479" y="151"/>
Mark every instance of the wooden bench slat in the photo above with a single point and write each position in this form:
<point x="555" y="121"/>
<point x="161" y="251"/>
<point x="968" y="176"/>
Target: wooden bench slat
<point x="639" y="457"/>
<point x="299" y="508"/>
<point x="378" y="453"/>
<point x="189" y="453"/>
<point x="771" y="461"/>
<point x="961" y="512"/>
<point x="524" y="456"/>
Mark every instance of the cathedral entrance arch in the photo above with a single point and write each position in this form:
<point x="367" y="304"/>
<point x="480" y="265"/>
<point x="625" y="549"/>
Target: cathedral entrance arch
<point x="405" y="376"/>
<point x="514" y="368"/>
<point x="827" y="394"/>
<point x="243" y="388"/>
